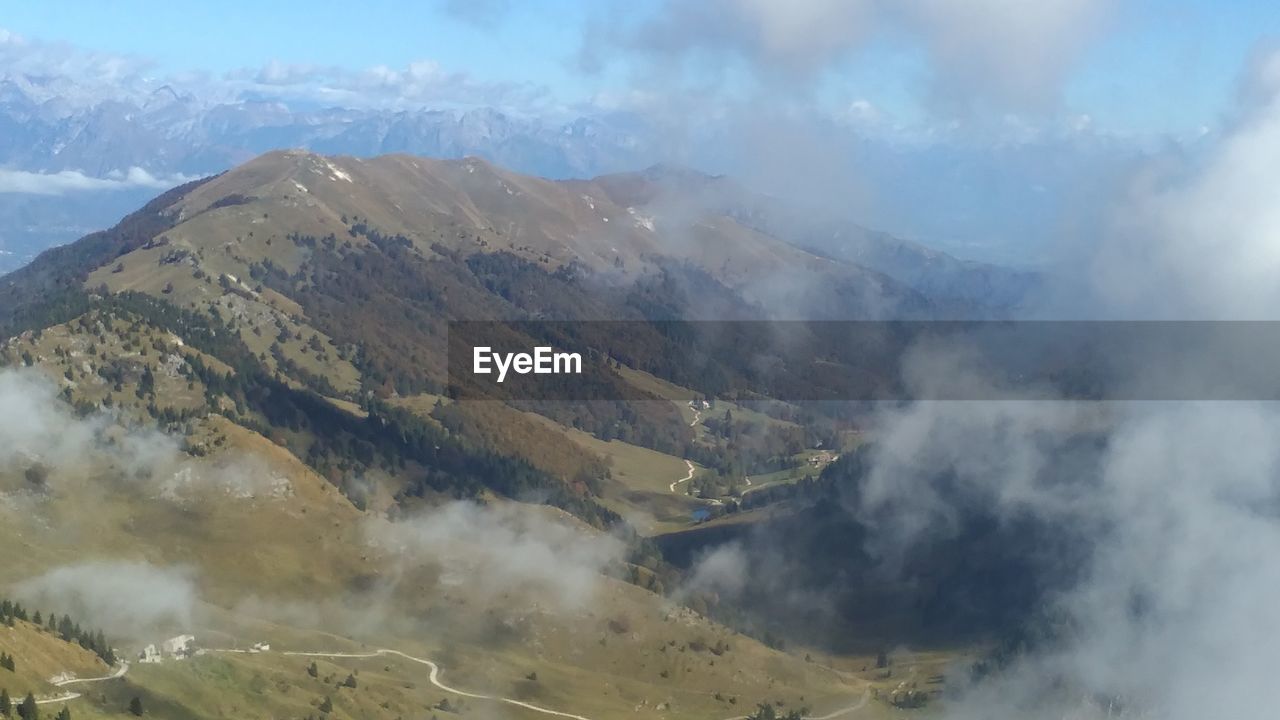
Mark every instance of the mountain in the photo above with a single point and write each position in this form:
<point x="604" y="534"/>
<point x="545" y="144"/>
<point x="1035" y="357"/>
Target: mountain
<point x="249" y="379"/>
<point x="49" y="128"/>
<point x="53" y="124"/>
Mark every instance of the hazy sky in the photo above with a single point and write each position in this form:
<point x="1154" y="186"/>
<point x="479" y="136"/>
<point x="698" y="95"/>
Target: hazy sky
<point x="1142" y="66"/>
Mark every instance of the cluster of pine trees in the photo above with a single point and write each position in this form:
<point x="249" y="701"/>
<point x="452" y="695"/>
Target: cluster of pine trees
<point x="65" y="628"/>
<point x="11" y="613"/>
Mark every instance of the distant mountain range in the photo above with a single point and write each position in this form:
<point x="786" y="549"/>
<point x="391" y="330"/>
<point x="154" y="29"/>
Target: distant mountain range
<point x="49" y="125"/>
<point x="168" y="132"/>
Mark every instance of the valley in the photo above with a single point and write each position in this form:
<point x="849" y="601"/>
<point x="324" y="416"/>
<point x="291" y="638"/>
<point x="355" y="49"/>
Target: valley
<point x="237" y="416"/>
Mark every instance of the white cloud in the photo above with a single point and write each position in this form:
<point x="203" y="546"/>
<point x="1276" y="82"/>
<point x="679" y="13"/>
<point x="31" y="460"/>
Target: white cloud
<point x="124" y="598"/>
<point x="47" y="69"/>
<point x="1171" y="616"/>
<point x="418" y="83"/>
<point x="500" y="548"/>
<point x="82" y="78"/>
<point x="1003" y="53"/>
<point x="1000" y="54"/>
<point x="1199" y="237"/>
<point x="74" y="181"/>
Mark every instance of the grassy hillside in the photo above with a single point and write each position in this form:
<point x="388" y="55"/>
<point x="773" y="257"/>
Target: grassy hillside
<point x="39" y="656"/>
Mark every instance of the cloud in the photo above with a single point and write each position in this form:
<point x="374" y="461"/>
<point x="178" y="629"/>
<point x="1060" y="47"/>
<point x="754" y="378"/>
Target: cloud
<point x="1002" y="53"/>
<point x="77" y="79"/>
<point x="1168" y="617"/>
<point x="73" y="181"/>
<point x="36" y="427"/>
<point x="496" y="549"/>
<point x="990" y="54"/>
<point x="47" y="69"/>
<point x="419" y="83"/>
<point x="721" y="571"/>
<point x="1197" y="234"/>
<point x="33" y="425"/>
<point x="127" y="599"/>
<point x="801" y="37"/>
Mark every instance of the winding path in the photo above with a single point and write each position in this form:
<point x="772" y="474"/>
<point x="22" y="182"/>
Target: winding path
<point x="61" y="698"/>
<point x="684" y="479"/>
<point x="434" y="677"/>
<point x="119" y="673"/>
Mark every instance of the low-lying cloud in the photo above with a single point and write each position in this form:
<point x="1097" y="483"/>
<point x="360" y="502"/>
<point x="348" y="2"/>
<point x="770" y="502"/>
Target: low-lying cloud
<point x="73" y="181"/>
<point x="494" y="549"/>
<point x="129" y="599"/>
<point x="1172" y="615"/>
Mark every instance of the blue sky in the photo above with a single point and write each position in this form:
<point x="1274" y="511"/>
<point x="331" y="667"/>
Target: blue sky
<point x="1155" y="66"/>
<point x="531" y="42"/>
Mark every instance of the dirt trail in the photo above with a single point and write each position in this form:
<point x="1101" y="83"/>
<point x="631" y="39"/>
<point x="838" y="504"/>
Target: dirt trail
<point x="684" y="479"/>
<point x="119" y="673"/>
<point x="434" y="677"/>
<point x="61" y="698"/>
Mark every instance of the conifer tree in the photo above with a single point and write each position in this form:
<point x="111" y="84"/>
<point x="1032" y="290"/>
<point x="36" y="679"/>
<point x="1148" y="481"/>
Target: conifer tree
<point x="28" y="710"/>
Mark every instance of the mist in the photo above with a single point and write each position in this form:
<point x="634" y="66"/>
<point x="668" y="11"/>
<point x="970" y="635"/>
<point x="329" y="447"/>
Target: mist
<point x="131" y="599"/>
<point x="1168" y="610"/>
<point x="1172" y="617"/>
<point x="489" y="551"/>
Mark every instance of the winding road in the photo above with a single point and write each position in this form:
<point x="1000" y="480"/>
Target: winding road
<point x="434" y="677"/>
<point x="119" y="673"/>
<point x="684" y="479"/>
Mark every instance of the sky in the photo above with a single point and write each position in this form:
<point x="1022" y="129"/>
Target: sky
<point x="1147" y="67"/>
